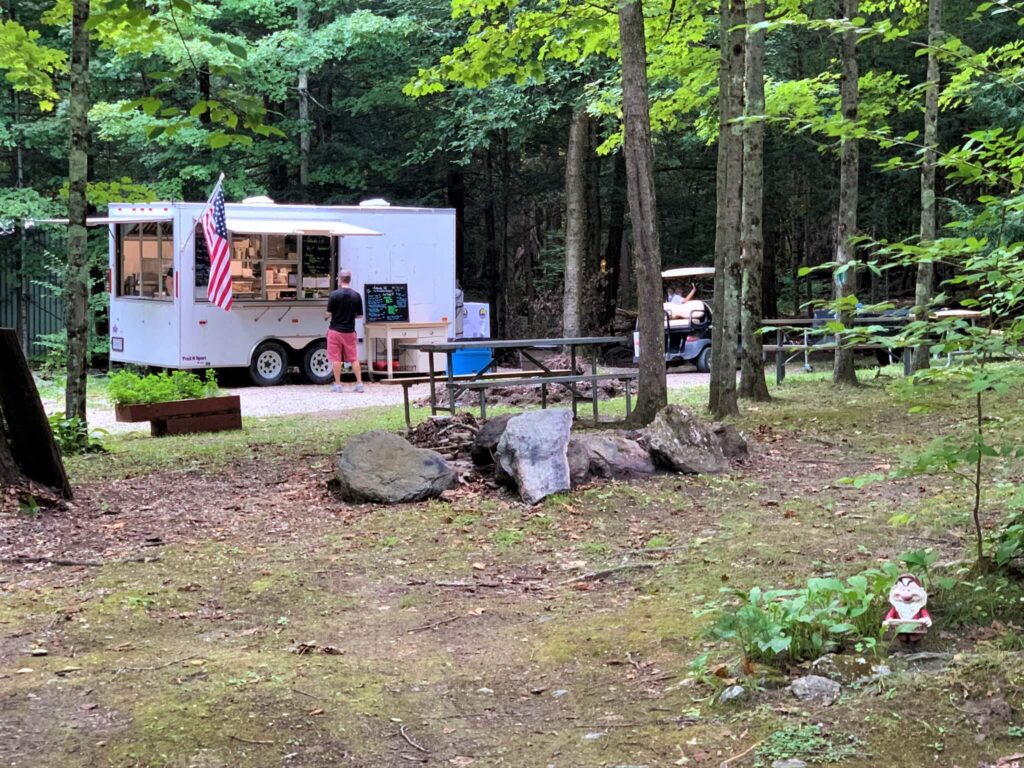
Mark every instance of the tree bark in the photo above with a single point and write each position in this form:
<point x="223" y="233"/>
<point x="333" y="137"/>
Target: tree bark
<point x="456" y="184"/>
<point x="845" y="282"/>
<point x="10" y="472"/>
<point x="77" y="293"/>
<point x="613" y="248"/>
<point x="302" y="22"/>
<point x="752" y="382"/>
<point x="639" y="153"/>
<point x="575" y="220"/>
<point x="729" y="191"/>
<point x="926" y="269"/>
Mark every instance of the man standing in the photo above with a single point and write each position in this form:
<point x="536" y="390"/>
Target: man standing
<point x="343" y="307"/>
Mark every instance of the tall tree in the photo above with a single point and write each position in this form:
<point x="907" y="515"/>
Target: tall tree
<point x="575" y="219"/>
<point x="77" y="293"/>
<point x="925" y="269"/>
<point x="729" y="192"/>
<point x="845" y="280"/>
<point x="639" y="154"/>
<point x="752" y="382"/>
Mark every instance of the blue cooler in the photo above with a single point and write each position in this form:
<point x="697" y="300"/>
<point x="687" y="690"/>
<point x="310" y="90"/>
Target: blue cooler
<point x="467" y="361"/>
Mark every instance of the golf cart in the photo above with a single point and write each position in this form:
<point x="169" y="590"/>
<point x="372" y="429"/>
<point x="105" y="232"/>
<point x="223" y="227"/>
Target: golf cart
<point x="687" y="324"/>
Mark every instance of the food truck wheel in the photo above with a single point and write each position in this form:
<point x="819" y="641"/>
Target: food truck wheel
<point x="315" y="365"/>
<point x="703" y="361"/>
<point x="269" y="364"/>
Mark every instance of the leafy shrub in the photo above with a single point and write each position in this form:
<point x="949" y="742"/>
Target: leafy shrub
<point x="74" y="437"/>
<point x="128" y="388"/>
<point x="800" y="624"/>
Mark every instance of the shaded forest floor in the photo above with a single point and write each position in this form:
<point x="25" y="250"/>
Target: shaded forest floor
<point x="242" y="616"/>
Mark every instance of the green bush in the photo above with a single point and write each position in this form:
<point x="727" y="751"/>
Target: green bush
<point x="802" y="624"/>
<point x="74" y="437"/>
<point x="128" y="388"/>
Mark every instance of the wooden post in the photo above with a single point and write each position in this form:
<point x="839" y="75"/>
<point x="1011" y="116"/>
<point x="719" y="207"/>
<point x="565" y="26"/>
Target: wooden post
<point x="780" y="356"/>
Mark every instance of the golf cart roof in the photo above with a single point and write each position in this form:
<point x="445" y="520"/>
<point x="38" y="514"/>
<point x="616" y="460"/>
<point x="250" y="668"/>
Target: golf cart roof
<point x="681" y="272"/>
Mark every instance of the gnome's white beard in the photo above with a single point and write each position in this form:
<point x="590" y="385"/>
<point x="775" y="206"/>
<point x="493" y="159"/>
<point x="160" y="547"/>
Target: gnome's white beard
<point x="907" y="611"/>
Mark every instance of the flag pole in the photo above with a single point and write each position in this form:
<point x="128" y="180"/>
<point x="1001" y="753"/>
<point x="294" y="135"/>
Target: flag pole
<point x="192" y="230"/>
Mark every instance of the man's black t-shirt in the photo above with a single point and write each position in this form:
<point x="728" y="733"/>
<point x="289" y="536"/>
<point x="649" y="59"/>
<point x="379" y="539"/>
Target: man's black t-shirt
<point x="345" y="305"/>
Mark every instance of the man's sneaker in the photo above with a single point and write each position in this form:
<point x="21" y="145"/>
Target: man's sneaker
<point x="359" y="388"/>
<point x="336" y="388"/>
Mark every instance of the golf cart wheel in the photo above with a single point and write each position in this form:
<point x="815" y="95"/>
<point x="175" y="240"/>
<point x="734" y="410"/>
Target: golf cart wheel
<point x="315" y="365"/>
<point x="703" y="360"/>
<point x="269" y="364"/>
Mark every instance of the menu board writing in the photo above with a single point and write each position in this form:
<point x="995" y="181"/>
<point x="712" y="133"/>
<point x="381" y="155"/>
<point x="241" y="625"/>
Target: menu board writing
<point x="387" y="302"/>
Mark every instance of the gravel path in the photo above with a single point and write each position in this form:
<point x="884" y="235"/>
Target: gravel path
<point x="310" y="398"/>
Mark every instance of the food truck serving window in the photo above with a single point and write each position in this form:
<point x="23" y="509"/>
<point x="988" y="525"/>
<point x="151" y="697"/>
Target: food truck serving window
<point x="272" y="267"/>
<point x="145" y="260"/>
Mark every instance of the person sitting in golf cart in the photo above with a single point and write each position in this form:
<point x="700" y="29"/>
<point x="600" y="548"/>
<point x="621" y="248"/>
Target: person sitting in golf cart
<point x="675" y="295"/>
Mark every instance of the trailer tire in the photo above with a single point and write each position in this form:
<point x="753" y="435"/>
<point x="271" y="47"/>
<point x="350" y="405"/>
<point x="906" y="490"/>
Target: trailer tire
<point x="315" y="366"/>
<point x="269" y="364"/>
<point x="703" y="361"/>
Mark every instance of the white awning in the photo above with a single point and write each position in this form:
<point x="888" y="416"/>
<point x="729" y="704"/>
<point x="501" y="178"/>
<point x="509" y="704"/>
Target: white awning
<point x="681" y="272"/>
<point x="296" y="227"/>
<point x="102" y="221"/>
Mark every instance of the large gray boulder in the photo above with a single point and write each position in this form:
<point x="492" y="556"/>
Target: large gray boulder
<point x="608" y="456"/>
<point x="486" y="441"/>
<point x="532" y="453"/>
<point x="734" y="443"/>
<point x="381" y="467"/>
<point x="816" y="689"/>
<point x="679" y="441"/>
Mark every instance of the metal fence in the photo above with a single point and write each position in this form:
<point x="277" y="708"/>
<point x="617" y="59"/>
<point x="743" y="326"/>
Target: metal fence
<point x="45" y="311"/>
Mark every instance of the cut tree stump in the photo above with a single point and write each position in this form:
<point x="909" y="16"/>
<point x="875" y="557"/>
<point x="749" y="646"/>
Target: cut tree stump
<point x="179" y="417"/>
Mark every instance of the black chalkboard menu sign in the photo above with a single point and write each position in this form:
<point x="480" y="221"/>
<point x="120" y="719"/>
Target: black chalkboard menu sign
<point x="387" y="302"/>
<point x="202" y="259"/>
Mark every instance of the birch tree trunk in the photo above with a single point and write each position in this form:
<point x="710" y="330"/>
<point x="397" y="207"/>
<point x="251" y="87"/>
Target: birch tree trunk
<point x="752" y="383"/>
<point x="575" y="219"/>
<point x="77" y="293"/>
<point x="302" y="22"/>
<point x="926" y="270"/>
<point x="844" y="282"/>
<point x="639" y="153"/>
<point x="729" y="191"/>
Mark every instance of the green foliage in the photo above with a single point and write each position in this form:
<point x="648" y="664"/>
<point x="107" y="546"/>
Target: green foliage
<point x="801" y="624"/>
<point x="129" y="388"/>
<point x="805" y="742"/>
<point x="28" y="65"/>
<point x="74" y="437"/>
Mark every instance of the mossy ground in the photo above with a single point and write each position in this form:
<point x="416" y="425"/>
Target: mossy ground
<point x="279" y="627"/>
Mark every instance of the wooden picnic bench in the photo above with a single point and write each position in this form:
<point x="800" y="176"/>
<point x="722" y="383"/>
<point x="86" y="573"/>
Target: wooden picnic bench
<point x="569" y="382"/>
<point x="411" y="381"/>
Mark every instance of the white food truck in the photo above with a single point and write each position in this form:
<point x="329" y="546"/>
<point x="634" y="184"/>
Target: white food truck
<point x="284" y="259"/>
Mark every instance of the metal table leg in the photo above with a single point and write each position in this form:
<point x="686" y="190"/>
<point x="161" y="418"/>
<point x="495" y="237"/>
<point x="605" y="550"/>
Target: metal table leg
<point x="780" y="357"/>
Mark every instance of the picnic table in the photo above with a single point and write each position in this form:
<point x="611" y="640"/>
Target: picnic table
<point x="485" y="379"/>
<point x="805" y="342"/>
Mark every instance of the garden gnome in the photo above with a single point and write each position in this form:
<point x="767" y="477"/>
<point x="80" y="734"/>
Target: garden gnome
<point x="908" y="616"/>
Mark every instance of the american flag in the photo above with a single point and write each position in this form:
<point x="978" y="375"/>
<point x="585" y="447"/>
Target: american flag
<point x="215" y="230"/>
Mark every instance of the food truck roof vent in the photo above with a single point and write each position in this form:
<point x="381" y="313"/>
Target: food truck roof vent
<point x="258" y="200"/>
<point x="377" y="202"/>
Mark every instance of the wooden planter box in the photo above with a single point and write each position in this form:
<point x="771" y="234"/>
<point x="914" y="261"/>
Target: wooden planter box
<point x="178" y="417"/>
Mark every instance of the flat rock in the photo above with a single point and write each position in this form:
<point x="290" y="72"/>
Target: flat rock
<point x="732" y="693"/>
<point x="679" y="441"/>
<point x="791" y="763"/>
<point x="486" y="441"/>
<point x="381" y="467"/>
<point x="608" y="456"/>
<point x="532" y="453"/>
<point x="816" y="689"/>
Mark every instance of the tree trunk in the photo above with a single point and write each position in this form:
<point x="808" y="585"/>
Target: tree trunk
<point x="77" y="293"/>
<point x="639" y="152"/>
<point x="925" y="269"/>
<point x="457" y="200"/>
<point x="752" y="382"/>
<point x="302" y="22"/>
<point x="613" y="248"/>
<point x="845" y="282"/>
<point x="575" y="220"/>
<point x="10" y="472"/>
<point x="729" y="191"/>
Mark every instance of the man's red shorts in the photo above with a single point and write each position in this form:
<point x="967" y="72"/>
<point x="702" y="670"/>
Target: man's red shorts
<point x="342" y="347"/>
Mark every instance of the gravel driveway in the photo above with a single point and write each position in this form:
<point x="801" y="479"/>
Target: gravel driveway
<point x="310" y="398"/>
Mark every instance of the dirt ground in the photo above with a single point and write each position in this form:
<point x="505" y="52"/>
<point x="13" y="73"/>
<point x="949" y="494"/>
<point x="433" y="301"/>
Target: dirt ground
<point x="213" y="605"/>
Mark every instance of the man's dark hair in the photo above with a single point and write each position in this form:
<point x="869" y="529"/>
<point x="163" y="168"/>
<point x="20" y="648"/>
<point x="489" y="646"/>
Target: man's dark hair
<point x="345" y="277"/>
